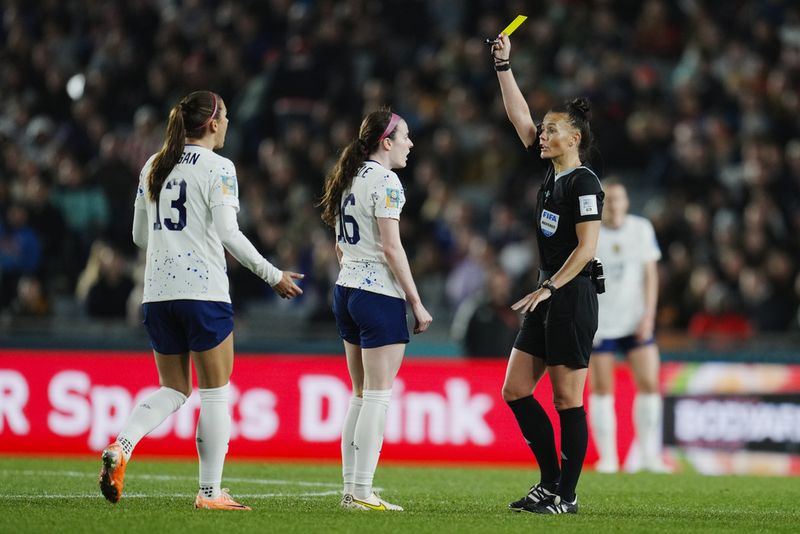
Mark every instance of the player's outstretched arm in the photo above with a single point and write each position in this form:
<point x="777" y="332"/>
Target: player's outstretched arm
<point x="245" y="253"/>
<point x="286" y="288"/>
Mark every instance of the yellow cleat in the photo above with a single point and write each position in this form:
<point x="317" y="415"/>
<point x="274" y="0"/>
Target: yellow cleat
<point x="371" y="503"/>
<point x="112" y="474"/>
<point x="223" y="502"/>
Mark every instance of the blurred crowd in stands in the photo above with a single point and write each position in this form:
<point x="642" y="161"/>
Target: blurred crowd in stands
<point x="696" y="108"/>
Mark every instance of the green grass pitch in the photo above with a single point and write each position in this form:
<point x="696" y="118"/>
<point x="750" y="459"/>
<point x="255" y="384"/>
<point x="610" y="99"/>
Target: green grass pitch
<point x="43" y="495"/>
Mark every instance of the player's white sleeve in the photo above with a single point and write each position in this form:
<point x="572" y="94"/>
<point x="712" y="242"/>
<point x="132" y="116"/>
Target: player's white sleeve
<point x="651" y="251"/>
<point x="140" y="229"/>
<point x="388" y="197"/>
<point x="140" y="221"/>
<point x="240" y="247"/>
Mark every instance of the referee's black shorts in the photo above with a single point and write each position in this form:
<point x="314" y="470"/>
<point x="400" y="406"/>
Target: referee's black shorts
<point x="561" y="329"/>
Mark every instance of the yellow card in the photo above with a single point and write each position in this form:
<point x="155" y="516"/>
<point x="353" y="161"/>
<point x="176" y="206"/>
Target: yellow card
<point x="516" y="23"/>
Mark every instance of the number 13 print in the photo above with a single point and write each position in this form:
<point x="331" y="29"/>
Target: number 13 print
<point x="178" y="204"/>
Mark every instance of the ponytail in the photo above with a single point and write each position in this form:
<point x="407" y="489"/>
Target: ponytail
<point x="340" y="178"/>
<point x="196" y="110"/>
<point x="170" y="153"/>
<point x="373" y="130"/>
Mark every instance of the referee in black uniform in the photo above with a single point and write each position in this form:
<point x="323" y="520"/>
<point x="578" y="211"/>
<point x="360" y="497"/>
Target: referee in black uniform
<point x="561" y="315"/>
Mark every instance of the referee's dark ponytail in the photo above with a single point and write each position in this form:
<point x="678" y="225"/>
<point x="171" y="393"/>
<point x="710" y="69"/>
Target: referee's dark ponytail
<point x="579" y="111"/>
<point x="351" y="158"/>
<point x="189" y="118"/>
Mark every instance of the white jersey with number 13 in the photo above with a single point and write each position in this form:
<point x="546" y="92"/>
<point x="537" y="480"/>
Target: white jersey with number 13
<point x="185" y="257"/>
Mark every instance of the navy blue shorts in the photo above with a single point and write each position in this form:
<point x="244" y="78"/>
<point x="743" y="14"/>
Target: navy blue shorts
<point x="621" y="344"/>
<point x="369" y="319"/>
<point x="178" y="326"/>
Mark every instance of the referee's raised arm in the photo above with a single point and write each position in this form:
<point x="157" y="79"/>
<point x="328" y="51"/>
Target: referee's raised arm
<point x="513" y="100"/>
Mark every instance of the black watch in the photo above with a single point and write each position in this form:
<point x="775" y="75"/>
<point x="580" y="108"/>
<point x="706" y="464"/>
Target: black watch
<point x="547" y="284"/>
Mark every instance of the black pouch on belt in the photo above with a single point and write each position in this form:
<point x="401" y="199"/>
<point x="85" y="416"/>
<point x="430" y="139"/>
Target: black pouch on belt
<point x="598" y="278"/>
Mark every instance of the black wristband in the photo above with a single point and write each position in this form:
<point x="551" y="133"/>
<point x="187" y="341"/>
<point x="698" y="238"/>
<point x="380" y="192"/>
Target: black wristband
<point x="547" y="284"/>
<point x="500" y="67"/>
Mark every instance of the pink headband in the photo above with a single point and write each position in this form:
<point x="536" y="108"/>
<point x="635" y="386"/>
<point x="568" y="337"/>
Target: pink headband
<point x="390" y="127"/>
<point x="213" y="113"/>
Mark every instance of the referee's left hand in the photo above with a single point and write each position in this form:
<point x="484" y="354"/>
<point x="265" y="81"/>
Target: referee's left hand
<point x="527" y="303"/>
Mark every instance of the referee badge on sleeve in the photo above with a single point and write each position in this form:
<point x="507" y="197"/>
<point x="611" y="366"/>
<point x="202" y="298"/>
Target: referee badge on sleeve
<point x="548" y="223"/>
<point x="392" y="198"/>
<point x="588" y="204"/>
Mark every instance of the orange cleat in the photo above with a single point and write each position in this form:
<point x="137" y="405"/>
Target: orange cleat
<point x="113" y="472"/>
<point x="223" y="502"/>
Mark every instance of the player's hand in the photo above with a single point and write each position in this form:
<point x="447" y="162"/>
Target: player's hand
<point x="422" y="319"/>
<point x="528" y="303"/>
<point x="501" y="50"/>
<point x="286" y="288"/>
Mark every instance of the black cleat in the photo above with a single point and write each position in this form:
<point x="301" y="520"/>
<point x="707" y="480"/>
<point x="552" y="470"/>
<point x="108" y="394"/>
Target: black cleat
<point x="535" y="495"/>
<point x="553" y="505"/>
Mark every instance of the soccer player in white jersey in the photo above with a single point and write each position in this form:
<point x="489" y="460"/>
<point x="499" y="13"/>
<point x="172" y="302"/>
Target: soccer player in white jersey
<point x="185" y="217"/>
<point x="362" y="200"/>
<point x="629" y="251"/>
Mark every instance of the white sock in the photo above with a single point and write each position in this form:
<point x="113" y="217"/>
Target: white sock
<point x="147" y="415"/>
<point x="368" y="438"/>
<point x="213" y="434"/>
<point x="348" y="447"/>
<point x="647" y="418"/>
<point x="604" y="427"/>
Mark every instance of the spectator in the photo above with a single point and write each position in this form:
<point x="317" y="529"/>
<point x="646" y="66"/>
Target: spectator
<point x="109" y="284"/>
<point x="485" y="324"/>
<point x="48" y="223"/>
<point x="84" y="208"/>
<point x="117" y="182"/>
<point x="697" y="99"/>
<point x="20" y="251"/>
<point x="720" y="321"/>
<point x="31" y="299"/>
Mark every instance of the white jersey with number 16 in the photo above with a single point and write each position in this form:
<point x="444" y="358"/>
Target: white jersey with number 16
<point x="376" y="192"/>
<point x="185" y="257"/>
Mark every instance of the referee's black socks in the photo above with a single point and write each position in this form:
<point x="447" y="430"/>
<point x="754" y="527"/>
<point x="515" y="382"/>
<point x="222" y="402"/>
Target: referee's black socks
<point x="574" y="440"/>
<point x="538" y="432"/>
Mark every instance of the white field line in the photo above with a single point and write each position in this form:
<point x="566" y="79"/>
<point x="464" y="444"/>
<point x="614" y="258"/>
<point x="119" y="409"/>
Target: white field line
<point x="161" y="495"/>
<point x="83" y="474"/>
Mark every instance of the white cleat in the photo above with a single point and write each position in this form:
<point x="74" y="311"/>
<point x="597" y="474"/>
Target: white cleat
<point x="607" y="467"/>
<point x="657" y="466"/>
<point x="371" y="503"/>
